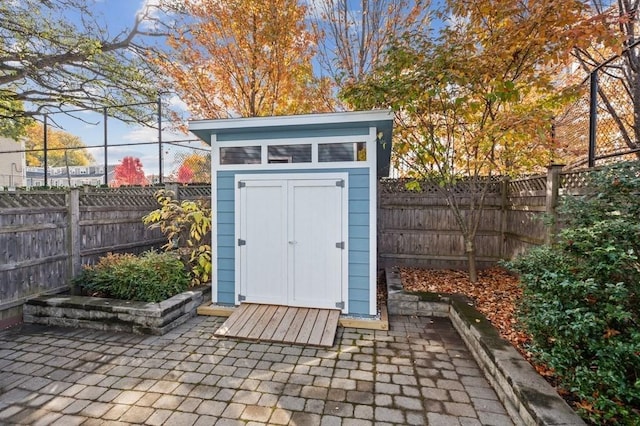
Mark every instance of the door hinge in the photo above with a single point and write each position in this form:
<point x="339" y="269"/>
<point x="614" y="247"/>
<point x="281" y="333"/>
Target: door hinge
<point x="340" y="305"/>
<point x="340" y="245"/>
<point x="241" y="184"/>
<point x="242" y="242"/>
<point x="340" y="183"/>
<point x="241" y="298"/>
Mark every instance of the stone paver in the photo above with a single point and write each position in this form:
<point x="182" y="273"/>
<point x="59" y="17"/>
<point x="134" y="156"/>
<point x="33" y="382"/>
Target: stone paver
<point x="417" y="373"/>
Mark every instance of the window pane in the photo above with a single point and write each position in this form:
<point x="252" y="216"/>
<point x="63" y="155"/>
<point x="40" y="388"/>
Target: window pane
<point x="240" y="155"/>
<point x="289" y="153"/>
<point x="351" y="151"/>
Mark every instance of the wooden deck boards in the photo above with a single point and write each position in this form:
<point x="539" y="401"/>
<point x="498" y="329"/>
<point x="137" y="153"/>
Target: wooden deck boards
<point x="282" y="324"/>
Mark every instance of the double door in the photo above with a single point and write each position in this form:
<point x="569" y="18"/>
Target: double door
<point x="292" y="241"/>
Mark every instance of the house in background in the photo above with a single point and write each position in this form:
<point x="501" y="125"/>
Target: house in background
<point x="12" y="163"/>
<point x="294" y="201"/>
<point x="72" y="176"/>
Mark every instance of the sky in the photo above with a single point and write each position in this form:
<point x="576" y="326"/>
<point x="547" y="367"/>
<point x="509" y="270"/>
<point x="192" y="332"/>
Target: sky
<point x="89" y="126"/>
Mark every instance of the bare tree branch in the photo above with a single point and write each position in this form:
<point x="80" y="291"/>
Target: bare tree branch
<point x="49" y="62"/>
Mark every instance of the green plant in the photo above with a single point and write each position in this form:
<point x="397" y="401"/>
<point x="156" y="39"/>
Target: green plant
<point x="186" y="225"/>
<point x="581" y="297"/>
<point x="150" y="277"/>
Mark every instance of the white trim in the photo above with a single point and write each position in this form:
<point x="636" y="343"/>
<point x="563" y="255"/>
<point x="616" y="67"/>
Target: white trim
<point x="236" y="234"/>
<point x="291" y="120"/>
<point x="294" y="141"/>
<point x="298" y="166"/>
<point x="345" y="238"/>
<point x="290" y="177"/>
<point x="214" y="223"/>
<point x="373" y="220"/>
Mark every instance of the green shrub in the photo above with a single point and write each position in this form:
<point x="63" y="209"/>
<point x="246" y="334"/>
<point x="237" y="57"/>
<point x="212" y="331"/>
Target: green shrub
<point x="150" y="277"/>
<point x="581" y="297"/>
<point x="187" y="225"/>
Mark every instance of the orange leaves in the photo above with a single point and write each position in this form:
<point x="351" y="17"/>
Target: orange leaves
<point x="610" y="332"/>
<point x="244" y="57"/>
<point x="194" y="168"/>
<point x="495" y="295"/>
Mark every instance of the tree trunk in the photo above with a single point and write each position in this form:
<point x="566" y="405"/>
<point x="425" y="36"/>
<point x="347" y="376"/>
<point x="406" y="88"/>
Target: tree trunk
<point x="470" y="249"/>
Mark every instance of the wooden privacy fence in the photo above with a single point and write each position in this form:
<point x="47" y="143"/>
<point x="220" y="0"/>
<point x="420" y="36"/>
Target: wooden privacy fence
<point x="46" y="236"/>
<point x="419" y="229"/>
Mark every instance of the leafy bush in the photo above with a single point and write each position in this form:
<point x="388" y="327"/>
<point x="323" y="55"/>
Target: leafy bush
<point x="151" y="277"/>
<point x="581" y="297"/>
<point x="186" y="225"/>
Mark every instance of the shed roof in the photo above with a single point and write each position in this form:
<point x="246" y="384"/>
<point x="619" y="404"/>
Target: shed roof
<point x="382" y="120"/>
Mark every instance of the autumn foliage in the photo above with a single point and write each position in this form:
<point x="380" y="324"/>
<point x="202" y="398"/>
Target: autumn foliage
<point x="184" y="174"/>
<point x="57" y="140"/>
<point x="243" y="58"/>
<point x="129" y="172"/>
<point x="477" y="101"/>
<point x="194" y="168"/>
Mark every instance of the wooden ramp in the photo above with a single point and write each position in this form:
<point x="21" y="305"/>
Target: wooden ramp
<point x="282" y="324"/>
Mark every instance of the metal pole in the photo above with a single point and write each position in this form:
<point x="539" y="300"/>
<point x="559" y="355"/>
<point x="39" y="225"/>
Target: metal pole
<point x="159" y="139"/>
<point x="593" y="116"/>
<point x="106" y="162"/>
<point x="45" y="147"/>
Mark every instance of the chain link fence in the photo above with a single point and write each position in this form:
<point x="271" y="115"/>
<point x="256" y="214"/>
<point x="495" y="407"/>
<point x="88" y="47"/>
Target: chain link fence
<point x="603" y="125"/>
<point x="57" y="154"/>
<point x="187" y="163"/>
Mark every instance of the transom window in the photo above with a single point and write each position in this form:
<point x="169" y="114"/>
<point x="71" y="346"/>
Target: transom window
<point x="278" y="153"/>
<point x="241" y="155"/>
<point x="350" y="151"/>
<point x="289" y="153"/>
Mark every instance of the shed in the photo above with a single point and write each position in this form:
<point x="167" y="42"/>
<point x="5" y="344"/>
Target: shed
<point x="294" y="202"/>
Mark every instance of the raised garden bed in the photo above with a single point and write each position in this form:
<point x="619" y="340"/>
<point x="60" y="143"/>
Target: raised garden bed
<point x="114" y="314"/>
<point x="529" y="399"/>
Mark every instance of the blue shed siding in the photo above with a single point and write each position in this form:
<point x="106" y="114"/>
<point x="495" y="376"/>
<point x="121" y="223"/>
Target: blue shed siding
<point x="359" y="223"/>
<point x="359" y="279"/>
<point x="239" y="135"/>
<point x="226" y="235"/>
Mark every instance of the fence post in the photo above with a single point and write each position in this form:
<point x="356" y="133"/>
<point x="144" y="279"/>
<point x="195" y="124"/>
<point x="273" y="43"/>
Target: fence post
<point x="504" y="198"/>
<point x="593" y="116"/>
<point x="173" y="187"/>
<point x="553" y="189"/>
<point x="73" y="204"/>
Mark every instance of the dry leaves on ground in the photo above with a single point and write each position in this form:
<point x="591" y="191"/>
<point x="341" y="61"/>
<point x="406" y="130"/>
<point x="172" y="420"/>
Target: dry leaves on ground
<point x="494" y="294"/>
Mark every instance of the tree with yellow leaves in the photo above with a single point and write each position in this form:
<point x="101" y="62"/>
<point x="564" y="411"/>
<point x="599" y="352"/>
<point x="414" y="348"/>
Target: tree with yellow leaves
<point x="243" y="58"/>
<point x="64" y="149"/>
<point x="477" y="101"/>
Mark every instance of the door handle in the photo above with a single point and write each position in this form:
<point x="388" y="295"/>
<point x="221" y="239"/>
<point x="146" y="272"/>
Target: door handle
<point x="293" y="242"/>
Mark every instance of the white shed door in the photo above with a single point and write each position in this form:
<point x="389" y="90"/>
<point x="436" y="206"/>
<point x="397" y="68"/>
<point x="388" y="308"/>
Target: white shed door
<point x="315" y="231"/>
<point x="292" y="234"/>
<point x="262" y="241"/>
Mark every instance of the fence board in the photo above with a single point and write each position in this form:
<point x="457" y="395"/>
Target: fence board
<point x="419" y="229"/>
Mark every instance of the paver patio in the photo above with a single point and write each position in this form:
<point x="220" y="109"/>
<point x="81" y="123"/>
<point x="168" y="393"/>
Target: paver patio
<point x="417" y="373"/>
